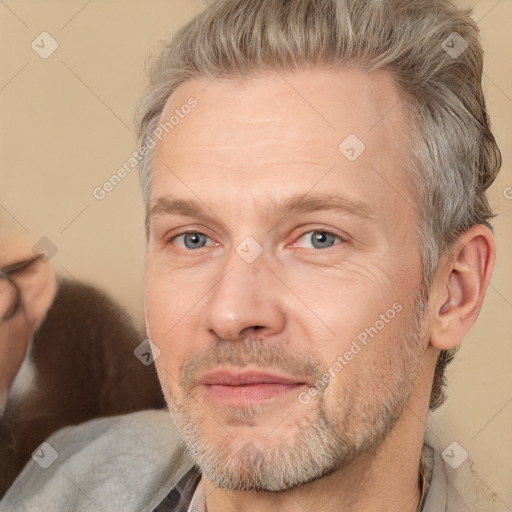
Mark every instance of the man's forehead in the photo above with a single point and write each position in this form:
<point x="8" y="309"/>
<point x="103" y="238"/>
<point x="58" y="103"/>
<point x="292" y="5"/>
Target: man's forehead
<point x="258" y="134"/>
<point x="331" y="99"/>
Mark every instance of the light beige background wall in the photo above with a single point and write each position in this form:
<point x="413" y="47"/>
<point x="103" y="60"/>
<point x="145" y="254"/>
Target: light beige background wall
<point x="66" y="127"/>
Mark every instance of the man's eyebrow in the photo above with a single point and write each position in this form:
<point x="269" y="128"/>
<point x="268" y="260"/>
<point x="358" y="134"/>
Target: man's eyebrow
<point x="297" y="203"/>
<point x="315" y="202"/>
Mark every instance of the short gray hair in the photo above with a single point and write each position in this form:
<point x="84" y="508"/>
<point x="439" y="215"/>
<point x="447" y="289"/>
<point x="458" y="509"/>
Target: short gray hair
<point x="453" y="158"/>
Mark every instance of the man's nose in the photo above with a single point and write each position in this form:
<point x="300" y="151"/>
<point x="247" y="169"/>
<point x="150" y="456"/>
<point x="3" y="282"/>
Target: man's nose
<point x="247" y="297"/>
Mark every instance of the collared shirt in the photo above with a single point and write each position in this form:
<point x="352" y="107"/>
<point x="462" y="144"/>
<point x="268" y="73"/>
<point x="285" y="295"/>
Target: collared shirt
<point x="198" y="500"/>
<point x="139" y="463"/>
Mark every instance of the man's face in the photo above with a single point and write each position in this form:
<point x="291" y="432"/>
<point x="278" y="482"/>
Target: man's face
<point x="288" y="327"/>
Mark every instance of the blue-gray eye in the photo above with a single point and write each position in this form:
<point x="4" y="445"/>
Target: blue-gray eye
<point x="320" y="239"/>
<point x="192" y="240"/>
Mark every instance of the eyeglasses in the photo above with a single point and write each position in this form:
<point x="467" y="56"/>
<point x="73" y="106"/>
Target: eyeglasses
<point x="10" y="270"/>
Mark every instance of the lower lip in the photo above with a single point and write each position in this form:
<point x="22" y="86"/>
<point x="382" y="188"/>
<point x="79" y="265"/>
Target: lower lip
<point x="244" y="395"/>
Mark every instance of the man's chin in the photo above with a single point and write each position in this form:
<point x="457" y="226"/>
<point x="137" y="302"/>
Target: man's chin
<point x="243" y="457"/>
<point x="251" y="469"/>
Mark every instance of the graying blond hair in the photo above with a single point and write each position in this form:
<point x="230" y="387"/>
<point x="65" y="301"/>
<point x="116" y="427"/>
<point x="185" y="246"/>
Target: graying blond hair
<point x="453" y="158"/>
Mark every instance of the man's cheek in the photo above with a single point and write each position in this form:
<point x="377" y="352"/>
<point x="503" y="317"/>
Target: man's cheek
<point x="160" y="316"/>
<point x="166" y="380"/>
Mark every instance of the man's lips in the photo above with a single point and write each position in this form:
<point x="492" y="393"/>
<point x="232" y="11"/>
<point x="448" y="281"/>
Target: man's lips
<point x="247" y="378"/>
<point x="240" y="388"/>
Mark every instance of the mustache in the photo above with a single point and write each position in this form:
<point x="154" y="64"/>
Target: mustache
<point x="249" y="351"/>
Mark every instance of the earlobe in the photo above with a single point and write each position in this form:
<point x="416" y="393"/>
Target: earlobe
<point x="459" y="286"/>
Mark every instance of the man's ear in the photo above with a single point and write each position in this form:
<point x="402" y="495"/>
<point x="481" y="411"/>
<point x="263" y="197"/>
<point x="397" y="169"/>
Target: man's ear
<point x="459" y="286"/>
